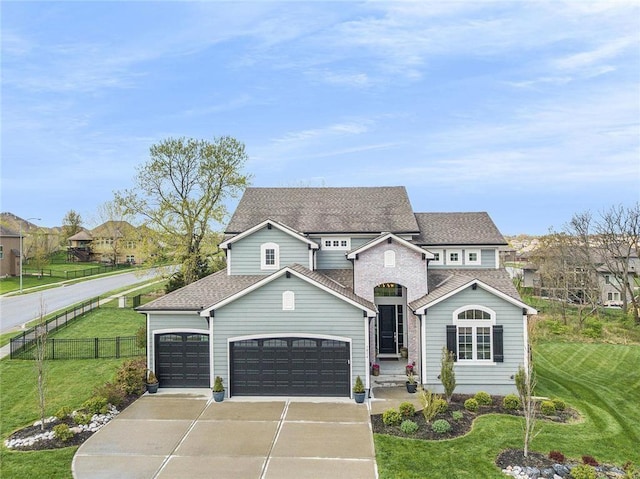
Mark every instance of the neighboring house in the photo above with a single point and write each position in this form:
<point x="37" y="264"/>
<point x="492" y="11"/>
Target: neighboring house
<point x="607" y="270"/>
<point x="322" y="282"/>
<point x="9" y="252"/>
<point x="111" y="242"/>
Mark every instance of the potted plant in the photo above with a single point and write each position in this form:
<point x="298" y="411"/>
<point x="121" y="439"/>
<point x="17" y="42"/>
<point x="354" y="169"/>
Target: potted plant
<point x="359" y="392"/>
<point x="218" y="390"/>
<point x="151" y="382"/>
<point x="375" y="369"/>
<point x="409" y="368"/>
<point x="411" y="383"/>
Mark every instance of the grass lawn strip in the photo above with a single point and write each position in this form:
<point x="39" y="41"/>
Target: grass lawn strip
<point x="582" y="375"/>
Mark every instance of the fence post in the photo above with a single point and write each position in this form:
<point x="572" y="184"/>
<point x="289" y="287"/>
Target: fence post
<point x="118" y="347"/>
<point x="95" y="346"/>
<point x="53" y="348"/>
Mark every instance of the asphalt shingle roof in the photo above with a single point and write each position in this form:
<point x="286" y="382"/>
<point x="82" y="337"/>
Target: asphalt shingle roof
<point x="219" y="286"/>
<point x="444" y="281"/>
<point x="327" y="210"/>
<point x="457" y="229"/>
<point x="202" y="293"/>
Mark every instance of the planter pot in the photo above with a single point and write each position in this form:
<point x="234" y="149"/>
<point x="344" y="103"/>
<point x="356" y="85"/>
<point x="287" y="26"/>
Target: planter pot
<point x="375" y="372"/>
<point x="359" y="397"/>
<point x="218" y="396"/>
<point x="404" y="352"/>
<point x="411" y="388"/>
<point x="152" y="388"/>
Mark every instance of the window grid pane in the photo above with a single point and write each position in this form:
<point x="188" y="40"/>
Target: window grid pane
<point x="270" y="257"/>
<point x="483" y="338"/>
<point x="465" y="343"/>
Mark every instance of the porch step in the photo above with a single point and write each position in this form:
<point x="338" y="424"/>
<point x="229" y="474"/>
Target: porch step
<point x="390" y="380"/>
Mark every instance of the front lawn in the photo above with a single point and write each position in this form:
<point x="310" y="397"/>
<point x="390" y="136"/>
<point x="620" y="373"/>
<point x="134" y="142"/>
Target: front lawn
<point x="70" y="383"/>
<point x="601" y="381"/>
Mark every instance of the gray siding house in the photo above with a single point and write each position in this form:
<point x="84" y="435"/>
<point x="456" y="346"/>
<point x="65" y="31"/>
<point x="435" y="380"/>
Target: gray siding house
<point x="322" y="283"/>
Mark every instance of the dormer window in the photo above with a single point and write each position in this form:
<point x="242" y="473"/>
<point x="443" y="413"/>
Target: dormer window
<point x="343" y="244"/>
<point x="270" y="256"/>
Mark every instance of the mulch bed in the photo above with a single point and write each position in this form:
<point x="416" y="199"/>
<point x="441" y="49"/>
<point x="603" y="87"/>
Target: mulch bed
<point x="460" y="427"/>
<point x="54" y="443"/>
<point x="511" y="457"/>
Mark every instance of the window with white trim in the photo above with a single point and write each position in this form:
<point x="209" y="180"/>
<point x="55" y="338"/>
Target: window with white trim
<point x="474" y="338"/>
<point x="269" y="256"/>
<point x="343" y="244"/>
<point x="472" y="257"/>
<point x="389" y="259"/>
<point x="288" y="301"/>
<point x="438" y="256"/>
<point x="454" y="256"/>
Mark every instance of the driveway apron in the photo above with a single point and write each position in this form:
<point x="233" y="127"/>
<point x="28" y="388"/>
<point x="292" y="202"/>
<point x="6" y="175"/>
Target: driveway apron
<point x="191" y="437"/>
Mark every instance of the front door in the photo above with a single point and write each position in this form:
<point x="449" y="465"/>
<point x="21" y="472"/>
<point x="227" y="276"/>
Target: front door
<point x="387" y="329"/>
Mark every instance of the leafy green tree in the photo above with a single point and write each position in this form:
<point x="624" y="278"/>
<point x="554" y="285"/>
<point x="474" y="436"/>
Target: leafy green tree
<point x="71" y="224"/>
<point x="181" y="191"/>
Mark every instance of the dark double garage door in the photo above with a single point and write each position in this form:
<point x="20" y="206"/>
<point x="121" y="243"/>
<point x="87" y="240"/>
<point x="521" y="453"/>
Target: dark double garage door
<point x="290" y="367"/>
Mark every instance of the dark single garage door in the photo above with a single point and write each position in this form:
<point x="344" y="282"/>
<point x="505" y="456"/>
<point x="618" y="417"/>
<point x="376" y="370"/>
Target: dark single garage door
<point x="182" y="360"/>
<point x="290" y="367"/>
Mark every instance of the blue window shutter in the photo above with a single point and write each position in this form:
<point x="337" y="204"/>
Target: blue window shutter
<point x="452" y="340"/>
<point x="498" y="349"/>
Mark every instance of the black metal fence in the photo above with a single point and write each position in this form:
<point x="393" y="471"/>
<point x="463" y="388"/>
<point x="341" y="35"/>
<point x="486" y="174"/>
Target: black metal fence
<point x="81" y="273"/>
<point x="27" y="339"/>
<point x="85" y="348"/>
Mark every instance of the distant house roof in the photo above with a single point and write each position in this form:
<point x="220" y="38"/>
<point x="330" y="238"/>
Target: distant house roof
<point x="7" y="233"/>
<point x="327" y="210"/>
<point x="82" y="235"/>
<point x="440" y="229"/>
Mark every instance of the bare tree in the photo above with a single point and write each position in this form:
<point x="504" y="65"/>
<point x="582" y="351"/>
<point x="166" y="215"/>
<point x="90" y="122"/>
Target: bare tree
<point x="609" y="242"/>
<point x="565" y="267"/>
<point x="526" y="383"/>
<point x="40" y="356"/>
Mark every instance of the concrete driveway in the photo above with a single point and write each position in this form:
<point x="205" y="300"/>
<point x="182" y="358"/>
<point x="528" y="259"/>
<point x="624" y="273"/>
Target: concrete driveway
<point x="183" y="436"/>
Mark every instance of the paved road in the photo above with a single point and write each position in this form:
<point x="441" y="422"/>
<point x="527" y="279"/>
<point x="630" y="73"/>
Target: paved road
<point x="20" y="309"/>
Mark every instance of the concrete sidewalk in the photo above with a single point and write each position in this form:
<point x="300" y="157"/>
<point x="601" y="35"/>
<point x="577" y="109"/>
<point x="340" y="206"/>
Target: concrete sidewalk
<point x="189" y="436"/>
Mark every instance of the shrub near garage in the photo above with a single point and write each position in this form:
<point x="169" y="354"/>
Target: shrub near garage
<point x="511" y="402"/>
<point x="408" y="426"/>
<point x="441" y="426"/>
<point x="483" y="398"/>
<point x="407" y="409"/>
<point x="391" y="417"/>
<point x="471" y="405"/>
<point x="547" y="408"/>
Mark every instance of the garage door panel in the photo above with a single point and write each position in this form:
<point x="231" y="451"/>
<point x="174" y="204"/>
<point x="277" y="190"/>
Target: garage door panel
<point x="290" y="367"/>
<point x="182" y="360"/>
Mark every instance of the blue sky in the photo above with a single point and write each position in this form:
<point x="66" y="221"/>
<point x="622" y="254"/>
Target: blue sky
<point x="527" y="110"/>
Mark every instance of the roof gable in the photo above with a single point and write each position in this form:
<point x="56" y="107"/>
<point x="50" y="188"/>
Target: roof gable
<point x="447" y="283"/>
<point x="475" y="228"/>
<point x="327" y="210"/>
<point x="388" y="237"/>
<point x="269" y="224"/>
<point x="307" y="275"/>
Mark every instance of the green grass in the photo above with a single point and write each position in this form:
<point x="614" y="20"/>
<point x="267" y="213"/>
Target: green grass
<point x="70" y="383"/>
<point x="106" y="321"/>
<point x="602" y="381"/>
